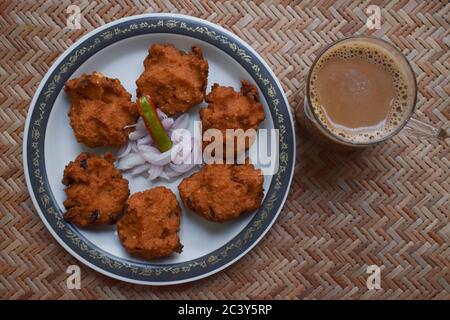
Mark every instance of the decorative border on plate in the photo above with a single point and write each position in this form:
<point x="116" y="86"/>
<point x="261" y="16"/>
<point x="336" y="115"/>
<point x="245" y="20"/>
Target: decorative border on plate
<point x="142" y="271"/>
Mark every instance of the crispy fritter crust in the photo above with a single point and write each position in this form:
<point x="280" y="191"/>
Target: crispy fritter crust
<point x="222" y="192"/>
<point x="100" y="110"/>
<point x="228" y="109"/>
<point x="149" y="228"/>
<point x="96" y="191"/>
<point x="176" y="81"/>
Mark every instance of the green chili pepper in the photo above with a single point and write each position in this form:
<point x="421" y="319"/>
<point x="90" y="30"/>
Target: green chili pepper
<point x="154" y="126"/>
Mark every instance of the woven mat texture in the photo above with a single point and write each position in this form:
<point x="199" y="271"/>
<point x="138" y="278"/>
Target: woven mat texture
<point x="387" y="205"/>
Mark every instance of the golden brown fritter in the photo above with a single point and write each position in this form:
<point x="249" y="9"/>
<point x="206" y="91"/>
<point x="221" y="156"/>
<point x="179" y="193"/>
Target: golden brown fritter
<point x="228" y="109"/>
<point x="176" y="81"/>
<point x="96" y="191"/>
<point x="222" y="192"/>
<point x="149" y="228"/>
<point x="100" y="109"/>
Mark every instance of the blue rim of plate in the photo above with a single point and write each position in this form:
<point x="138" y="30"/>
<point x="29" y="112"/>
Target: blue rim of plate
<point x="69" y="236"/>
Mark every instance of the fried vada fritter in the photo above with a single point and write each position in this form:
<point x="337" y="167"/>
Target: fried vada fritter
<point x="100" y="110"/>
<point x="149" y="228"/>
<point x="175" y="80"/>
<point x="96" y="192"/>
<point x="221" y="192"/>
<point x="228" y="109"/>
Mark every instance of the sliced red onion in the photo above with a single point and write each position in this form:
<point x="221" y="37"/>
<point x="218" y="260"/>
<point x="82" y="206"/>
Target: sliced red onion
<point x="161" y="114"/>
<point x="140" y="130"/>
<point x="147" y="148"/>
<point x="130" y="161"/>
<point x="138" y="134"/>
<point x="170" y="173"/>
<point x="181" y="168"/>
<point x="124" y="150"/>
<point x="154" y="172"/>
<point x="145" y="140"/>
<point x="140" y="124"/>
<point x="153" y="156"/>
<point x="133" y="146"/>
<point x="181" y="122"/>
<point x="167" y="123"/>
<point x="140" y="155"/>
<point x="140" y="169"/>
<point x="164" y="176"/>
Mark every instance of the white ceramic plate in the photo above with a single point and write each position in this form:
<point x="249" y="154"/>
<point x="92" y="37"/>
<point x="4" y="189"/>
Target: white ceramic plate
<point x="118" y="50"/>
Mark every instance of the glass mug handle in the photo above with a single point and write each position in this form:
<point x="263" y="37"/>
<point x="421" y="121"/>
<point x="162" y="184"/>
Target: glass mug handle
<point x="421" y="129"/>
<point x="414" y="127"/>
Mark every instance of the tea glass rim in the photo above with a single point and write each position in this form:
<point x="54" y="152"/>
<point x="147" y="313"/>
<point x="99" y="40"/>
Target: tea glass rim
<point x="337" y="137"/>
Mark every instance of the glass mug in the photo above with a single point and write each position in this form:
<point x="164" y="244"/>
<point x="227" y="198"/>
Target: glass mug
<point x="408" y="124"/>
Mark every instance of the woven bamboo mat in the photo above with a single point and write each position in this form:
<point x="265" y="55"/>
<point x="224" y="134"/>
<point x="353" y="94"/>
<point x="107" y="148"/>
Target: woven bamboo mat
<point x="388" y="205"/>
